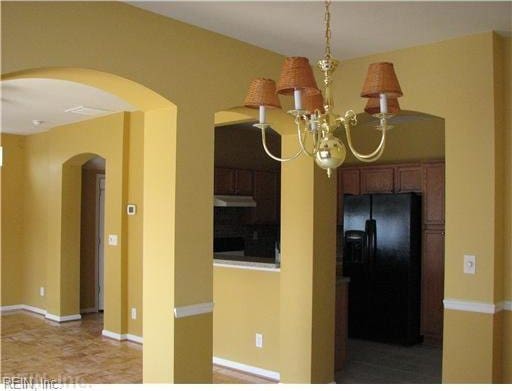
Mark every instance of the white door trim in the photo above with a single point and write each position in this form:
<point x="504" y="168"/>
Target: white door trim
<point x="98" y="248"/>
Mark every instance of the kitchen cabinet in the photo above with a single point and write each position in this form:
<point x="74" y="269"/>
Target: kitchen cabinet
<point x="348" y="181"/>
<point x="377" y="180"/>
<point x="408" y="178"/>
<point x="266" y="196"/>
<point x="432" y="285"/>
<point x="231" y="181"/>
<point x="433" y="193"/>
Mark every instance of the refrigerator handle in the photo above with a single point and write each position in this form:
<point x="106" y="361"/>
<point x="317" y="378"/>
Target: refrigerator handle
<point x="371" y="240"/>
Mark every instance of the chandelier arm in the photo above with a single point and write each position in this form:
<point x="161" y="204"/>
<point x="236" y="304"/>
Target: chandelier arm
<point x="264" y="142"/>
<point x="301" y="135"/>
<point x="371" y="157"/>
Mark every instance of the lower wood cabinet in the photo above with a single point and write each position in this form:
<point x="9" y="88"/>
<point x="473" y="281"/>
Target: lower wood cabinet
<point x="432" y="285"/>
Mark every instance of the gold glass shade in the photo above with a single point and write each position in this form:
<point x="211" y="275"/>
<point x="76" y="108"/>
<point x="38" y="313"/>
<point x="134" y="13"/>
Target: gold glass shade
<point x="373" y="106"/>
<point x="262" y="92"/>
<point x="313" y="102"/>
<point x="381" y="79"/>
<point x="296" y="73"/>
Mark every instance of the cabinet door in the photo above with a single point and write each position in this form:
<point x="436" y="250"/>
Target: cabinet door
<point x="244" y="185"/>
<point x="433" y="193"/>
<point x="432" y="284"/>
<point x="377" y="180"/>
<point x="408" y="178"/>
<point x="224" y="181"/>
<point x="349" y="181"/>
<point x="266" y="196"/>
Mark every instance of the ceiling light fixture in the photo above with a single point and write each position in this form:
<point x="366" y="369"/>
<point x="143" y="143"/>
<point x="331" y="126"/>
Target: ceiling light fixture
<point x="314" y="115"/>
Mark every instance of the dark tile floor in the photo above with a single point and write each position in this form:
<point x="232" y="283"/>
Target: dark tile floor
<point x="373" y="362"/>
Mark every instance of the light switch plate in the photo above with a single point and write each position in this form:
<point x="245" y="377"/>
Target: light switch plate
<point x="469" y="264"/>
<point x="41" y="291"/>
<point x="134" y="313"/>
<point x="112" y="240"/>
<point x="131" y="209"/>
<point x="259" y="340"/>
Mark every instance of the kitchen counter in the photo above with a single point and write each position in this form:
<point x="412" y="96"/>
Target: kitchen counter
<point x="245" y="262"/>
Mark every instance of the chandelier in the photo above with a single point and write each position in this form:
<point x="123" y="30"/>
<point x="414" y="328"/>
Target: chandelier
<point x="314" y="114"/>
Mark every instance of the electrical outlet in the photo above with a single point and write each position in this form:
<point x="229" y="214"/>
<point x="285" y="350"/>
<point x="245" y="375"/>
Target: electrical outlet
<point x="112" y="240"/>
<point x="259" y="340"/>
<point x="134" y="313"/>
<point x="469" y="264"/>
<point x="41" y="291"/>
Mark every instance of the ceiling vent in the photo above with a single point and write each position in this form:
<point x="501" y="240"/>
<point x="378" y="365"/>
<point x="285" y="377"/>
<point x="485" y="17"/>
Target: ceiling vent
<point x="89" y="111"/>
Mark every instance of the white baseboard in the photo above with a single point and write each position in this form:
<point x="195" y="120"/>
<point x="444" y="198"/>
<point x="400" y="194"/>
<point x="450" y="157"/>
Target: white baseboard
<point x="507" y="305"/>
<point x="247" y="368"/>
<point x="65" y="318"/>
<point x="22" y="307"/>
<point x="6" y="308"/>
<point x="122" y="337"/>
<point x="135" y="338"/>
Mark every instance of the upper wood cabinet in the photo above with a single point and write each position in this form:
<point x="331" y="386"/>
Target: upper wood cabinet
<point x="377" y="180"/>
<point x="408" y="178"/>
<point x="266" y="197"/>
<point x="231" y="181"/>
<point x="433" y="193"/>
<point x="349" y="181"/>
<point x="244" y="182"/>
<point x="224" y="181"/>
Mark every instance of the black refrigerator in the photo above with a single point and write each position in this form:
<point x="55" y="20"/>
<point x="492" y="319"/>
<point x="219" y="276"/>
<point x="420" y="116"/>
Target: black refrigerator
<point x="382" y="257"/>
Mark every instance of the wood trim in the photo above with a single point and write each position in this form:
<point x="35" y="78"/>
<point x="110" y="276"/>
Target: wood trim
<point x="192" y="310"/>
<point x="473" y="306"/>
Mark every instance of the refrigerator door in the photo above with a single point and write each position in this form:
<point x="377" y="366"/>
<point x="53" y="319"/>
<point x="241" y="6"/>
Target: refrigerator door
<point x="355" y="262"/>
<point x="395" y="278"/>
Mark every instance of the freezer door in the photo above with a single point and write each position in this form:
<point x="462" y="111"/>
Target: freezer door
<point x="356" y="210"/>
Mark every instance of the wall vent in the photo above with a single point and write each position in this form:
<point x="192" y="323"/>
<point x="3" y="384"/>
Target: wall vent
<point x="89" y="111"/>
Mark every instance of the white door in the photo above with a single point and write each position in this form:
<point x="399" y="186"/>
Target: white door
<point x="100" y="224"/>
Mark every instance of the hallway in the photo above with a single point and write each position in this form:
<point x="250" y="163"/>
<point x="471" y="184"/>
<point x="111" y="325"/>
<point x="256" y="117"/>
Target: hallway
<point x="76" y="353"/>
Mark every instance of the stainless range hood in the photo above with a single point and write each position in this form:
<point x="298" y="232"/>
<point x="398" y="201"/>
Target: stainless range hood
<point x="234" y="201"/>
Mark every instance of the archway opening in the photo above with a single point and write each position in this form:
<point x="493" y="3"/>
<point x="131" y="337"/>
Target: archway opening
<point x="390" y="254"/>
<point x="92" y="228"/>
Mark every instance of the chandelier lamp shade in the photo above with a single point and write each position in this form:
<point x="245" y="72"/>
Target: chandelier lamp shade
<point x="313" y="111"/>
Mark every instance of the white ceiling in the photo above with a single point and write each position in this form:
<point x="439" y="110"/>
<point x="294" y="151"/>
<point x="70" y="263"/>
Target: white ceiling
<point x="296" y="28"/>
<point x="46" y="100"/>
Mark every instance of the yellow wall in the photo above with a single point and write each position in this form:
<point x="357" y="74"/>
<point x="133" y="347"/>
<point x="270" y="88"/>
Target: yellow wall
<point x="246" y="303"/>
<point x="36" y="216"/>
<point x="12" y="218"/>
<point x="507" y="185"/>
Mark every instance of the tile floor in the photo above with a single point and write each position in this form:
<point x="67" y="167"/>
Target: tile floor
<point x="372" y="362"/>
<point x="76" y="353"/>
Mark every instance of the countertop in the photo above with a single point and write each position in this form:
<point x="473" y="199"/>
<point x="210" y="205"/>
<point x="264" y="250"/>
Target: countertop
<point x="245" y="262"/>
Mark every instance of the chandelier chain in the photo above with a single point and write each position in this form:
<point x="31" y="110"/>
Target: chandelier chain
<point x="327" y="20"/>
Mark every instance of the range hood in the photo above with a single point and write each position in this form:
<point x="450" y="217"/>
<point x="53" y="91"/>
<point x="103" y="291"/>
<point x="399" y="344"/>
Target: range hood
<point x="234" y="201"/>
